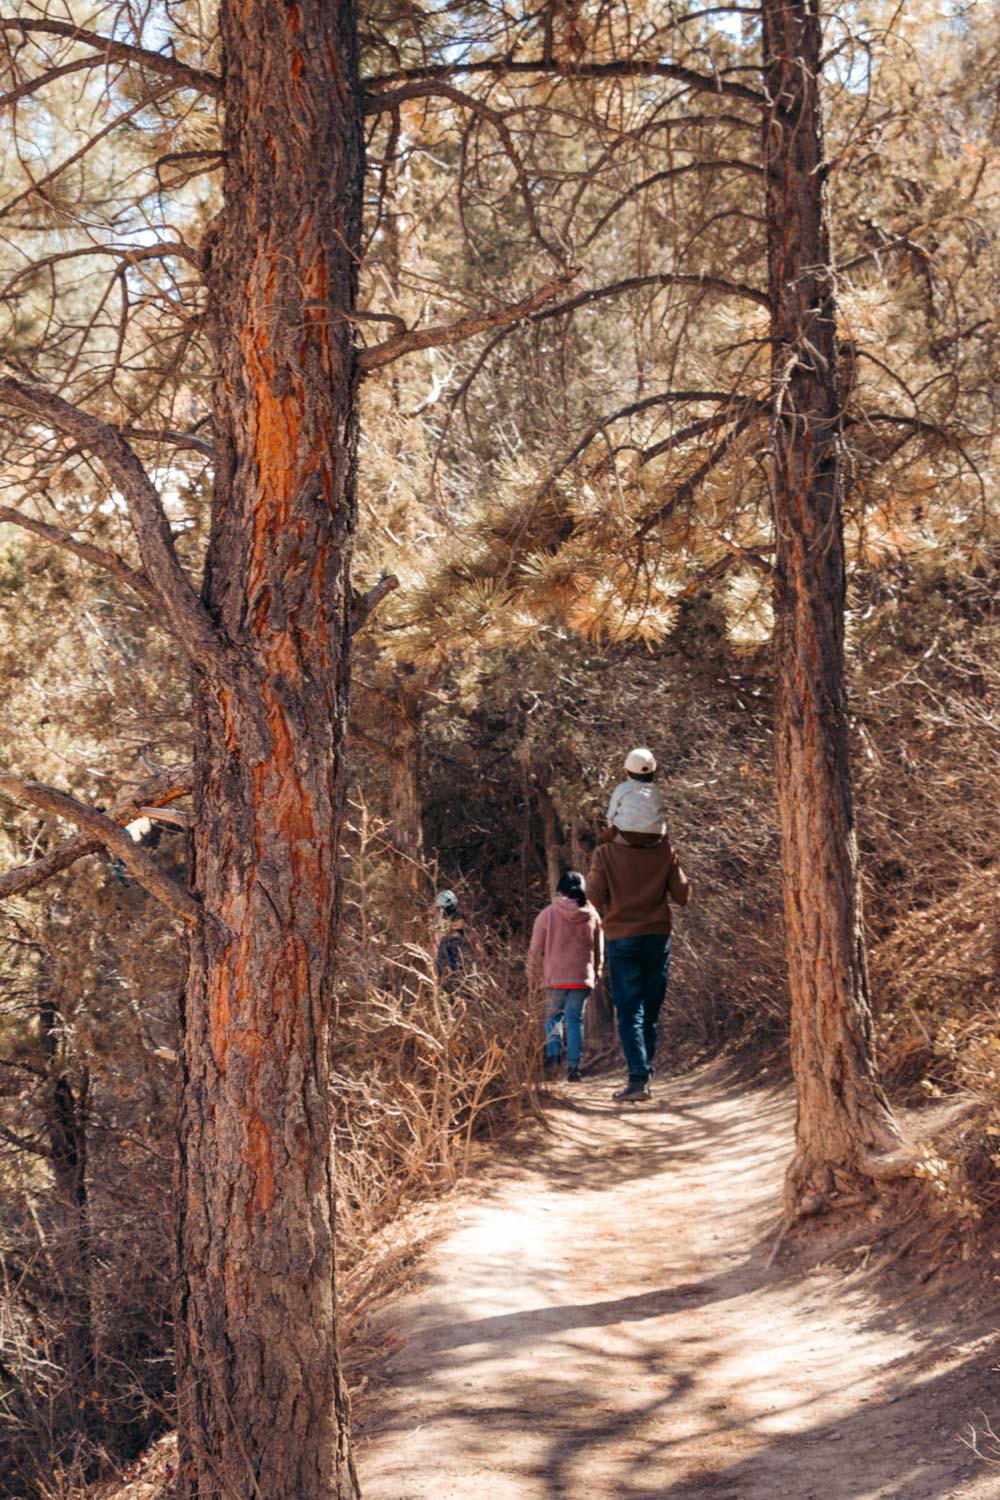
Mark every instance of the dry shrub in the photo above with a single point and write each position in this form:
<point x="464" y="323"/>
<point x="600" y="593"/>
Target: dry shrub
<point x="929" y="792"/>
<point x="84" y="1335"/>
<point x="420" y="1075"/>
<point x="419" y="1079"/>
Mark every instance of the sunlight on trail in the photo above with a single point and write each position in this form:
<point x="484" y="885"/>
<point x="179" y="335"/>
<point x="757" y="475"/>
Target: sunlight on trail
<point x="601" y="1324"/>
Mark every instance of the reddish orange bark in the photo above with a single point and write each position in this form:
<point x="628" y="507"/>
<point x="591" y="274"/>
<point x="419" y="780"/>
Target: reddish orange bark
<point x="843" y="1118"/>
<point x="262" y="1405"/>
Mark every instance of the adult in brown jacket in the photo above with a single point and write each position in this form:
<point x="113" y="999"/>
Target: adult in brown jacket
<point x="633" y="879"/>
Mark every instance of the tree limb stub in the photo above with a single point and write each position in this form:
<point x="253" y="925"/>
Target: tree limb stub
<point x="363" y="605"/>
<point x="160" y="789"/>
<point x="185" y="614"/>
<point x="442" y="334"/>
<point x="110" y="50"/>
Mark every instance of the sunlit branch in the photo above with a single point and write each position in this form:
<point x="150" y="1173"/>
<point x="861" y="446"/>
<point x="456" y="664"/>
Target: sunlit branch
<point x="114" y="51"/>
<point x="184" y="611"/>
<point x="109" y="561"/>
<point x="689" y="487"/>
<point x="504" y="67"/>
<point x="163" y="788"/>
<point x="442" y="334"/>
<point x="109" y="833"/>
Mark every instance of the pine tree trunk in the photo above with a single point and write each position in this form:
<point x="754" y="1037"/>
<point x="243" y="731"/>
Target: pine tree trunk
<point x="842" y="1111"/>
<point x="261" y="1402"/>
<point x="551" y="839"/>
<point x="405" y="791"/>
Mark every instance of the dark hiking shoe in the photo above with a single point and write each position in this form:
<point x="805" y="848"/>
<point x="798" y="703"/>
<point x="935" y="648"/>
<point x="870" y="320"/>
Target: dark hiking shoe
<point x="633" y="1090"/>
<point x="573" y="1076"/>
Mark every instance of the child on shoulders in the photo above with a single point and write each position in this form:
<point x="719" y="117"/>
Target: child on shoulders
<point x="637" y="804"/>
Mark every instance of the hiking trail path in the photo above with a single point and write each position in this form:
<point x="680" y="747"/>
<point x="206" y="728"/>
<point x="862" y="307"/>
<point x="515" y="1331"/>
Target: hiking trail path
<point x="599" y="1320"/>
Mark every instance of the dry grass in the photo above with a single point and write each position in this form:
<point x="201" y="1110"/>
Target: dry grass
<point x="420" y="1075"/>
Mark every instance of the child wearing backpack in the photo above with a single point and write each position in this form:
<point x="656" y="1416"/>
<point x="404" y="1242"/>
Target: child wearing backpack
<point x="567" y="945"/>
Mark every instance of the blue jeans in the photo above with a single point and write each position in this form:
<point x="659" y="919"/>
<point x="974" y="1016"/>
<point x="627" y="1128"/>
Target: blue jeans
<point x="639" y="969"/>
<point x="568" y="1005"/>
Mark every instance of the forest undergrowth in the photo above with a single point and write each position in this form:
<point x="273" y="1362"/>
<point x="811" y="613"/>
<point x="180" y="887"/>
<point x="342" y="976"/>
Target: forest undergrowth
<point x="422" y="1078"/>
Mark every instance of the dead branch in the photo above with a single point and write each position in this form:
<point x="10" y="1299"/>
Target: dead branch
<point x="663" y="279"/>
<point x="31" y="85"/>
<point x="504" y="67"/>
<point x="668" y="175"/>
<point x="160" y="789"/>
<point x="111" y="562"/>
<point x="363" y="605"/>
<point x="111" y="51"/>
<point x="442" y="334"/>
<point x="132" y="255"/>
<point x="184" y="611"/>
<point x="189" y="440"/>
<point x="497" y="119"/>
<point x="109" y="833"/>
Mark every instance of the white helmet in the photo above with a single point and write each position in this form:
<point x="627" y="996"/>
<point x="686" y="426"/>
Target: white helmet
<point x="447" y="900"/>
<point x="640" y="760"/>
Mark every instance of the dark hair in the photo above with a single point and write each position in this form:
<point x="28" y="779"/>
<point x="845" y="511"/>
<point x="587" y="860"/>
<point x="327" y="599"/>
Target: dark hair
<point x="572" y="884"/>
<point x="640" y="775"/>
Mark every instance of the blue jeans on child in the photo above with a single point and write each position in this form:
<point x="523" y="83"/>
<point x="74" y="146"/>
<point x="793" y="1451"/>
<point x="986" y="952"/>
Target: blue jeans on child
<point x="640" y="969"/>
<point x="568" y="1006"/>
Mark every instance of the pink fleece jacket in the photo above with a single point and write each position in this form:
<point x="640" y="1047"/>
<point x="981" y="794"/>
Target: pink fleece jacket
<point x="568" y="943"/>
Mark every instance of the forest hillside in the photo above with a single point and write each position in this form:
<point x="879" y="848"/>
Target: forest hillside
<point x="405" y="413"/>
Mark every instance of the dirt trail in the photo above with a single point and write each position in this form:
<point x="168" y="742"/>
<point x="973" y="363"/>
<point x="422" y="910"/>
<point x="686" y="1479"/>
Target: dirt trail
<point x="600" y="1323"/>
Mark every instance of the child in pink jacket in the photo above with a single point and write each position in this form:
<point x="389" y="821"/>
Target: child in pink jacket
<point x="567" y="943"/>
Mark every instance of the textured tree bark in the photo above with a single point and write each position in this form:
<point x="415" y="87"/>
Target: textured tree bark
<point x="551" y="839"/>
<point x="405" y="791"/>
<point x="842" y="1111"/>
<point x="262" y="1406"/>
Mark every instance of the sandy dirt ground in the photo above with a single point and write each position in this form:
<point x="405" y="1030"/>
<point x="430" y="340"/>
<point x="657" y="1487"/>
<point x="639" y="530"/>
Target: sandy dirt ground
<point x="599" y="1321"/>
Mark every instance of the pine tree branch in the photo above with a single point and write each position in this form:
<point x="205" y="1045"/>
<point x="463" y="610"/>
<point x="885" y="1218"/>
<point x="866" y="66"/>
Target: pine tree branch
<point x="132" y="254"/>
<point x="682" y="435"/>
<point x="711" y="574"/>
<point x="188" y="440"/>
<point x="497" y="119"/>
<point x="661" y="279"/>
<point x="504" y="67"/>
<point x="441" y="334"/>
<point x="111" y="51"/>
<point x="634" y="408"/>
<point x="697" y="167"/>
<point x="157" y="791"/>
<point x="109" y="561"/>
<point x="23" y="1067"/>
<point x="114" y="838"/>
<point x="32" y="85"/>
<point x="688" y="488"/>
<point x="744" y="554"/>
<point x="184" y="611"/>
